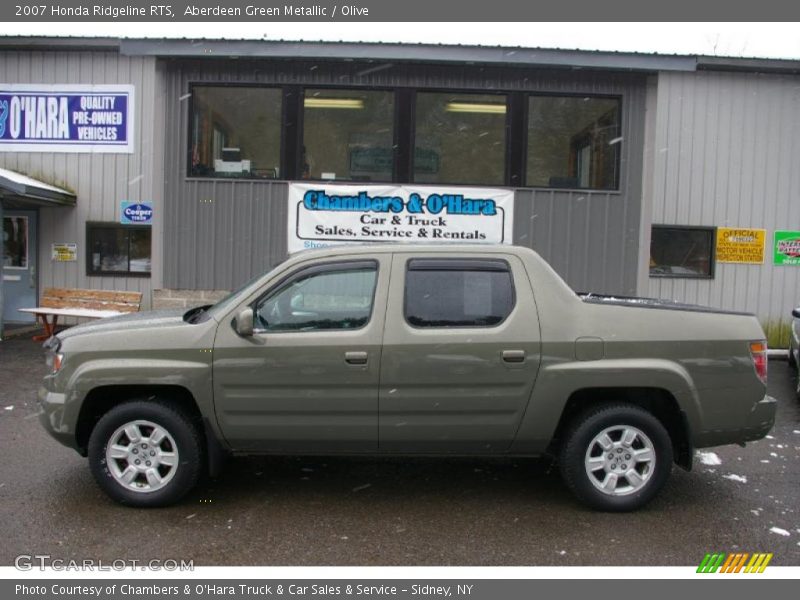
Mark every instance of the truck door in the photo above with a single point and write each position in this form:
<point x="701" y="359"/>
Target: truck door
<point x="307" y="379"/>
<point x="461" y="353"/>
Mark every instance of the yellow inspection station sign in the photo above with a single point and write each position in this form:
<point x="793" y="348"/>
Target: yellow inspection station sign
<point x="738" y="245"/>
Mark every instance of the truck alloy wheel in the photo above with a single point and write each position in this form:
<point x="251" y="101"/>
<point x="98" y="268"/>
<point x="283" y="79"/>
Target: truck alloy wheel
<point x="145" y="453"/>
<point x="616" y="457"/>
<point x="142" y="456"/>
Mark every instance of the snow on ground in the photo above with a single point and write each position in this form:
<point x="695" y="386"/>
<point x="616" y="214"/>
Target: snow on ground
<point x="734" y="477"/>
<point x="709" y="458"/>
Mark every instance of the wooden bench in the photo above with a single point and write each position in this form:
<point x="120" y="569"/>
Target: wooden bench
<point x="75" y="302"/>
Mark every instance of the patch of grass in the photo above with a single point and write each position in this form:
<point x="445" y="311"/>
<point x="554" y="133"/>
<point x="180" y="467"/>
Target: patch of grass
<point x="778" y="333"/>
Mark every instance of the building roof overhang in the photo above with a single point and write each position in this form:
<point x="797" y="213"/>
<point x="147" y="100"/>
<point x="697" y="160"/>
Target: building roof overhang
<point x="20" y="191"/>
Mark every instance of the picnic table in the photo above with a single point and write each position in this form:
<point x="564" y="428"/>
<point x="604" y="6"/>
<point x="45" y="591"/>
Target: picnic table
<point x="83" y="303"/>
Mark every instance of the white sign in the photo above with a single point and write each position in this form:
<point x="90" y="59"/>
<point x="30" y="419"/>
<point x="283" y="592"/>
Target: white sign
<point x="66" y="118"/>
<point x="323" y="215"/>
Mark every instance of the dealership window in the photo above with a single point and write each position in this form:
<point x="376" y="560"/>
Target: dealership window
<point x="460" y="138"/>
<point x="682" y="251"/>
<point x="347" y="135"/>
<point x="337" y="297"/>
<point x="118" y="249"/>
<point x="236" y="132"/>
<point x="458" y="293"/>
<point x="573" y="142"/>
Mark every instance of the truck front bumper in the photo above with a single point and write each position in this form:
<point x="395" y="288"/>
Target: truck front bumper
<point x="54" y="418"/>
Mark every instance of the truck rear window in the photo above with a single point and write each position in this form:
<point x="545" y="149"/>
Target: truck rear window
<point x="458" y="292"/>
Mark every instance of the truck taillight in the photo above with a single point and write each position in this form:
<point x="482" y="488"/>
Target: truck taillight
<point x="758" y="350"/>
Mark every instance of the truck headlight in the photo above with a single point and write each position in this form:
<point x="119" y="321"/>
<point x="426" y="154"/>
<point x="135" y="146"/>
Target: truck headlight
<point x="53" y="357"/>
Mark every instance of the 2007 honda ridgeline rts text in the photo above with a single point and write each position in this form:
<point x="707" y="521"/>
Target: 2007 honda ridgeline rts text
<point x="403" y="350"/>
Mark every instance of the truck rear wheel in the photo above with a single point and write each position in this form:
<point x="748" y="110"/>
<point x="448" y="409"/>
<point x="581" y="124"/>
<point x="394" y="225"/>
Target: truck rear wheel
<point x="145" y="453"/>
<point x="616" y="457"/>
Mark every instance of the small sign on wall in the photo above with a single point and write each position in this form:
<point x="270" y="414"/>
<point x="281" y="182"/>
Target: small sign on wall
<point x="136" y="213"/>
<point x="741" y="245"/>
<point x="64" y="252"/>
<point x="786" y="248"/>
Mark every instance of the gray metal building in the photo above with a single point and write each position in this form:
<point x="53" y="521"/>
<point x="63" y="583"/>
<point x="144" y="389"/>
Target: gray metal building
<point x="604" y="153"/>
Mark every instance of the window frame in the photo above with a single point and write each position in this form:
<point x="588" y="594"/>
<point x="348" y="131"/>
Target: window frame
<point x="301" y="131"/>
<point x="712" y="260"/>
<point x="526" y="145"/>
<point x="316" y="269"/>
<point x="516" y="147"/>
<point x="96" y="225"/>
<point x="411" y="136"/>
<point x="459" y="264"/>
<point x="190" y="124"/>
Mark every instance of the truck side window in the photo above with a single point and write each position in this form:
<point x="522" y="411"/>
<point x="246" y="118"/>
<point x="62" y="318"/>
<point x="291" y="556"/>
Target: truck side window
<point x="336" y="297"/>
<point x="458" y="292"/>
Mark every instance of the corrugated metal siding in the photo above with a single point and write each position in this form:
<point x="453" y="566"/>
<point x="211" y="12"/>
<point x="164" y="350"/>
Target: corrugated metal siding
<point x="727" y="153"/>
<point x="100" y="181"/>
<point x="221" y="233"/>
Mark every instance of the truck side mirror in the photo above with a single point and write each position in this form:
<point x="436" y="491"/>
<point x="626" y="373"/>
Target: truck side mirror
<point x="244" y="322"/>
<point x="796" y="313"/>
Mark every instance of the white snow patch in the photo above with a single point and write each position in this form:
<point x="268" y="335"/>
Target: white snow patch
<point x="796" y="431"/>
<point x="709" y="458"/>
<point x="764" y="460"/>
<point x="779" y="531"/>
<point x="769" y="437"/>
<point x="755" y="512"/>
<point x="362" y="487"/>
<point x="734" y="477"/>
<point x="10" y="407"/>
<point x="562" y="552"/>
<point x="191" y="516"/>
<point x="773" y="454"/>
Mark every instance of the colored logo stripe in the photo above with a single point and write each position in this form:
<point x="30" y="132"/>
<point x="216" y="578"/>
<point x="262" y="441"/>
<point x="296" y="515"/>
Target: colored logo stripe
<point x="734" y="563"/>
<point x="711" y="562"/>
<point x="758" y="563"/>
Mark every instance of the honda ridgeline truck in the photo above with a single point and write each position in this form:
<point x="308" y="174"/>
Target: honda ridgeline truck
<point x="409" y="350"/>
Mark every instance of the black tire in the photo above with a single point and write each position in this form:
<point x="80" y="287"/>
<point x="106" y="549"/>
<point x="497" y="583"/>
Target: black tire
<point x="579" y="444"/>
<point x="183" y="443"/>
<point x="791" y="360"/>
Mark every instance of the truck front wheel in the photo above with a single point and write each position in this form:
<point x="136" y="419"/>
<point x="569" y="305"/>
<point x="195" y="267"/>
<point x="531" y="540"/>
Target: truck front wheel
<point x="616" y="457"/>
<point x="145" y="453"/>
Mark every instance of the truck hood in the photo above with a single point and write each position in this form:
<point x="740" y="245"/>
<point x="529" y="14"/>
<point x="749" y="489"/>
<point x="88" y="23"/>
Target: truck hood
<point x="153" y="319"/>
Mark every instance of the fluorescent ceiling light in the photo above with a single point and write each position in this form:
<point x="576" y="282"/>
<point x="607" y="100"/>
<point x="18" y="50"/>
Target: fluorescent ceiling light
<point x="475" y="107"/>
<point x="351" y="103"/>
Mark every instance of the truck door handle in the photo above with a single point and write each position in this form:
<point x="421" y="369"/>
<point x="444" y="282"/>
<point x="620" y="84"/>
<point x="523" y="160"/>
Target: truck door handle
<point x="514" y="356"/>
<point x="355" y="358"/>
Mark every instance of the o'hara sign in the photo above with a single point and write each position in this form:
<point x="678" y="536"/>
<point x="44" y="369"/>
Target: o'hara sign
<point x="66" y="118"/>
<point x="325" y="214"/>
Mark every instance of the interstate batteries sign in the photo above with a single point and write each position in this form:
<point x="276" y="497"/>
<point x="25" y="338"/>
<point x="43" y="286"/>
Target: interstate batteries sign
<point x="323" y="215"/>
<point x="66" y="118"/>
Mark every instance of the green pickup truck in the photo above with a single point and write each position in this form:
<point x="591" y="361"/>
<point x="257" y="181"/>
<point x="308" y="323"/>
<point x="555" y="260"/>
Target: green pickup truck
<point x="409" y="350"/>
